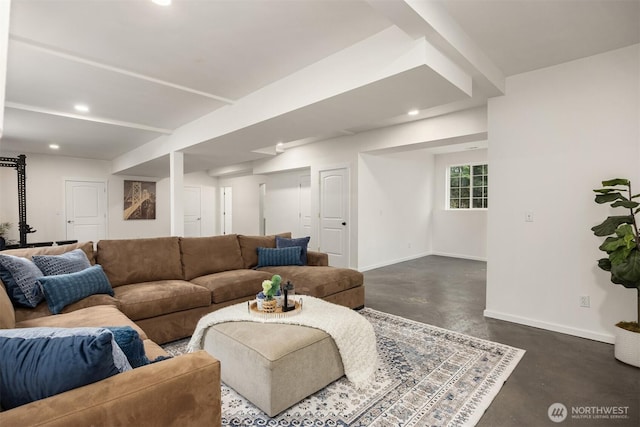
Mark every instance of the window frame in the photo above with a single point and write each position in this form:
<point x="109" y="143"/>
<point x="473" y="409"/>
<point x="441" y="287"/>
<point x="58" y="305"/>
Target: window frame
<point x="448" y="186"/>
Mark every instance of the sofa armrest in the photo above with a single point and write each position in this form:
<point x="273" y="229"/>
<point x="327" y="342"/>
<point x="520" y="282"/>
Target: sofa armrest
<point x="184" y="390"/>
<point x="317" y="259"/>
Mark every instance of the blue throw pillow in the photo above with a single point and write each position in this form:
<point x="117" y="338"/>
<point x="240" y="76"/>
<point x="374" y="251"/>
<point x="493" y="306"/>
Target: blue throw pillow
<point x="70" y="262"/>
<point x="282" y="256"/>
<point x="65" y="289"/>
<point x="20" y="276"/>
<point x="130" y="343"/>
<point x="40" y="362"/>
<point x="303" y="242"/>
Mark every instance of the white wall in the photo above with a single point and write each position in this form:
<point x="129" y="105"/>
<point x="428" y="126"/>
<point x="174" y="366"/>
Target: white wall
<point x="282" y="202"/>
<point x="458" y="233"/>
<point x="245" y="203"/>
<point x="557" y="133"/>
<point x="395" y="201"/>
<point x="46" y="177"/>
<point x="45" y="192"/>
<point x="345" y="151"/>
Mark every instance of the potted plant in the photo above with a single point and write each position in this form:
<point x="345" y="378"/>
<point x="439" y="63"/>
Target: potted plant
<point x="622" y="245"/>
<point x="4" y="229"/>
<point x="270" y="289"/>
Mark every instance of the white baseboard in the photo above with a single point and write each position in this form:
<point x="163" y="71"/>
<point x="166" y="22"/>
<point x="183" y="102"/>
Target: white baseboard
<point x="471" y="257"/>
<point x="391" y="262"/>
<point x="582" y="333"/>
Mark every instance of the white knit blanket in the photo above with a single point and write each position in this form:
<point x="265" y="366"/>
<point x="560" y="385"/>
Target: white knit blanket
<point x="352" y="333"/>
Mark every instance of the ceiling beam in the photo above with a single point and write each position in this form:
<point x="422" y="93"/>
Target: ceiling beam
<point x="75" y="58"/>
<point x="94" y="119"/>
<point x="420" y="18"/>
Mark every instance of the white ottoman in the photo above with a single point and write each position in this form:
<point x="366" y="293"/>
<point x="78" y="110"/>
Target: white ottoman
<point x="274" y="366"/>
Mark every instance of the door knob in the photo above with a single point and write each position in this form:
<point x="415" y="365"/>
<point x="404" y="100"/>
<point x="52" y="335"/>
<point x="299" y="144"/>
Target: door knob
<point x="344" y="223"/>
<point x="69" y="222"/>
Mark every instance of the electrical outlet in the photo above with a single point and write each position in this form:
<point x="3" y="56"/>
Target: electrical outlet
<point x="528" y="216"/>
<point x="585" y="301"/>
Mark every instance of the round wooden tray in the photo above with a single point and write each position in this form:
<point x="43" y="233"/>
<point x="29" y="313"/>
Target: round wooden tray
<point x="253" y="309"/>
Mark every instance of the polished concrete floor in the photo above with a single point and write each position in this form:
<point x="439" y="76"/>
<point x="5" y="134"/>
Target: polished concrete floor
<point x="556" y="368"/>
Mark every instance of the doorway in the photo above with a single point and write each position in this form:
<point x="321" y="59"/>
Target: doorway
<point x="334" y="215"/>
<point x="86" y="210"/>
<point x="192" y="212"/>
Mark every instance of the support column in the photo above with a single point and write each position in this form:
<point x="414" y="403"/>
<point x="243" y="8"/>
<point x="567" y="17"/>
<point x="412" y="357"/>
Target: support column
<point x="176" y="179"/>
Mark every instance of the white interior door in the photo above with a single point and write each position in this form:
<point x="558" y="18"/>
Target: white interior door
<point x="226" y="210"/>
<point x="192" y="212"/>
<point x="334" y="212"/>
<point x="304" y="224"/>
<point x="86" y="210"/>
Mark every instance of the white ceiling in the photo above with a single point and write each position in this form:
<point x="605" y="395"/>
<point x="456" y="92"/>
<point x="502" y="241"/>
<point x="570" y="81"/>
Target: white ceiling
<point x="151" y="73"/>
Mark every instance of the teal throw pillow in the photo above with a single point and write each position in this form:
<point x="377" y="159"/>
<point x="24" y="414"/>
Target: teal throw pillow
<point x="20" y="276"/>
<point x="130" y="343"/>
<point x="303" y="242"/>
<point x="279" y="256"/>
<point x="40" y="362"/>
<point x="64" y="289"/>
<point x="69" y="262"/>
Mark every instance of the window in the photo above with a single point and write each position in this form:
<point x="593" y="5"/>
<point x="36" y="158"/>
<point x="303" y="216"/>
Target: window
<point x="468" y="187"/>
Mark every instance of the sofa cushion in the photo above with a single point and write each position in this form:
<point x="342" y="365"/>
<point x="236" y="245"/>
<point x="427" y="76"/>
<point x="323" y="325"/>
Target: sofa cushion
<point x="130" y="261"/>
<point x="249" y="247"/>
<point x="208" y="255"/>
<point x="98" y="316"/>
<point x="87" y="247"/>
<point x="318" y="281"/>
<point x="279" y="256"/>
<point x="40" y="362"/>
<point x="151" y="299"/>
<point x="70" y="262"/>
<point x="303" y="242"/>
<point x="20" y="276"/>
<point x="42" y="309"/>
<point x="64" y="289"/>
<point x="230" y="285"/>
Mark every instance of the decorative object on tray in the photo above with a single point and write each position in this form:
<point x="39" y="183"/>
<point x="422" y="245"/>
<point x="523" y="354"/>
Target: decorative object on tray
<point x="295" y="307"/>
<point x="288" y="292"/>
<point x="270" y="288"/>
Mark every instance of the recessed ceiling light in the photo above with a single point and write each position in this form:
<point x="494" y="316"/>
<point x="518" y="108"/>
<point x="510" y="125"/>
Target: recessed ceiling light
<point x="54" y="146"/>
<point x="280" y="144"/>
<point x="413" y="112"/>
<point x="82" y="108"/>
<point x="162" y="2"/>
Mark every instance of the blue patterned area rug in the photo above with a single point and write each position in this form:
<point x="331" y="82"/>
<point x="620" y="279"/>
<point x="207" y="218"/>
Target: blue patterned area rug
<point x="428" y="377"/>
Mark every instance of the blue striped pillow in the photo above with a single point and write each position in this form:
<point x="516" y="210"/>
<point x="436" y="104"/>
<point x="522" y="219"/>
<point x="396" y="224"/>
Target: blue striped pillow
<point x="279" y="256"/>
<point x="70" y="262"/>
<point x="64" y="289"/>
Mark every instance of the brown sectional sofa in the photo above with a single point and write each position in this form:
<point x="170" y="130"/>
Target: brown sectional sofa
<point x="162" y="287"/>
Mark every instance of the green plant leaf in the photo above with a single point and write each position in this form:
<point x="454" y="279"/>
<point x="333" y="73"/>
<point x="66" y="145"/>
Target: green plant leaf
<point x="615" y="181"/>
<point x="625" y="204"/>
<point x="604" y="264"/>
<point x="635" y="196"/>
<point x="605" y="190"/>
<point x="609" y="197"/>
<point x="620" y="256"/>
<point x="609" y="225"/>
<point x="628" y="272"/>
<point x="618" y="281"/>
<point x="612" y="243"/>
